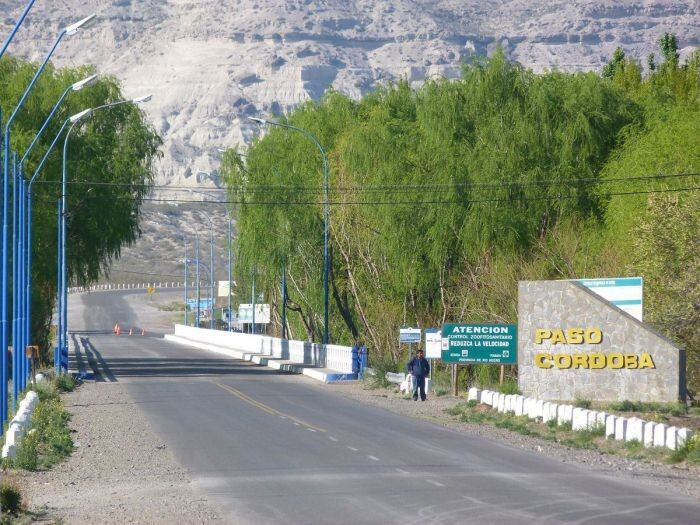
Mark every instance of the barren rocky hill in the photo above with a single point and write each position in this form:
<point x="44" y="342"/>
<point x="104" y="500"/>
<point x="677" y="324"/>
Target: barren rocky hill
<point x="211" y="63"/>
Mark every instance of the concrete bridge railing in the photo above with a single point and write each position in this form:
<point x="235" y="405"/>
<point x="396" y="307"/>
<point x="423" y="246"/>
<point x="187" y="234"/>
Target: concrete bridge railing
<point x="336" y="357"/>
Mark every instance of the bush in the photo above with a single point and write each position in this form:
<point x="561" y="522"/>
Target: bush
<point x="10" y="496"/>
<point x="582" y="403"/>
<point x="509" y="386"/>
<point x="65" y="383"/>
<point x="27" y="457"/>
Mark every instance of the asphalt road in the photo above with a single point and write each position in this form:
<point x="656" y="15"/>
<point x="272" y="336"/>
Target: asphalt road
<point x="267" y="447"/>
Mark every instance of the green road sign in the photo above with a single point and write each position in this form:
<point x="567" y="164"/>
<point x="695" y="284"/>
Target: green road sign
<point x="480" y="343"/>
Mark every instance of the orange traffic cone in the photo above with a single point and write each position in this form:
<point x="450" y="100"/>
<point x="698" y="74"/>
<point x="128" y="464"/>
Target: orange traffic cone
<point x="131" y="331"/>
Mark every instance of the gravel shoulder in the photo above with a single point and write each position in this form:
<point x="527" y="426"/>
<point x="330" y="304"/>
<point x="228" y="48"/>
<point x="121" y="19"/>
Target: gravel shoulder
<point x="674" y="478"/>
<point x="120" y="471"/>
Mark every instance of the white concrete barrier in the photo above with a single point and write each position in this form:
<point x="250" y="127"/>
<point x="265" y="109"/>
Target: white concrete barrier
<point x="549" y="412"/>
<point x="683" y="436"/>
<point x="635" y="430"/>
<point x="648" y="437"/>
<point x="672" y="438"/>
<point x="610" y="425"/>
<point x="565" y="414"/>
<point x="474" y="395"/>
<point x="487" y="397"/>
<point x="600" y="418"/>
<point x="580" y="419"/>
<point x="659" y="435"/>
<point x="620" y="428"/>
<point x="501" y="403"/>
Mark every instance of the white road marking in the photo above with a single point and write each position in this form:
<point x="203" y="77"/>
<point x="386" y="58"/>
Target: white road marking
<point x="332" y="438"/>
<point x="297" y="424"/>
<point x="401" y="471"/>
<point x="373" y="458"/>
<point x="436" y="483"/>
<point x="353" y="449"/>
<point x="310" y="430"/>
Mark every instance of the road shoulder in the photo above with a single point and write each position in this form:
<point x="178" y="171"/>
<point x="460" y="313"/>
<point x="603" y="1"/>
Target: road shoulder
<point x="674" y="478"/>
<point x="120" y="471"/>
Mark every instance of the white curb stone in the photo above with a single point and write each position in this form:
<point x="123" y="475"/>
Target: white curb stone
<point x="600" y="418"/>
<point x="683" y="436"/>
<point x="592" y="419"/>
<point x="635" y="430"/>
<point x="659" y="435"/>
<point x="501" y="403"/>
<point x="610" y="426"/>
<point x="564" y="414"/>
<point x="620" y="428"/>
<point x="672" y="438"/>
<point x="549" y="413"/>
<point x="474" y="394"/>
<point x="519" y="405"/>
<point x="649" y="433"/>
<point x="486" y="397"/>
<point x="509" y="403"/>
<point x="580" y="419"/>
<point x="539" y="409"/>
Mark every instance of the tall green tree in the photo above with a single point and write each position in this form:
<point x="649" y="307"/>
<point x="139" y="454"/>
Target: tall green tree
<point x="110" y="169"/>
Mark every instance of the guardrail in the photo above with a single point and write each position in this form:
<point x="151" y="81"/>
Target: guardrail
<point x="336" y="357"/>
<point x="131" y="286"/>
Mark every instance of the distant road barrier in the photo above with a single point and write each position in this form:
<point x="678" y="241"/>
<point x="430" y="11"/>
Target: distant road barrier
<point x="339" y="362"/>
<point x="130" y="286"/>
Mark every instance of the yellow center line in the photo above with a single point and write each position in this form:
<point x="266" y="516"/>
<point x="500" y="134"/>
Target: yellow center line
<point x="265" y="408"/>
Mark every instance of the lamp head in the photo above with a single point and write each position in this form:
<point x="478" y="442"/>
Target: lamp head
<point x="89" y="81"/>
<point x="78" y="116"/>
<point x="258" y="120"/>
<point x="73" y="28"/>
<point x="140" y="100"/>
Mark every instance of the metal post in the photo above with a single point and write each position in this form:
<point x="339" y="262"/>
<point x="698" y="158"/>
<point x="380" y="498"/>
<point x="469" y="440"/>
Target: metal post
<point x="4" y="263"/>
<point x="16" y="361"/>
<point x="57" y="352"/>
<point x="284" y="301"/>
<point x="229" y="275"/>
<point x="211" y="274"/>
<point x="17" y="26"/>
<point x="197" y="273"/>
<point x="253" y="299"/>
<point x="185" y="281"/>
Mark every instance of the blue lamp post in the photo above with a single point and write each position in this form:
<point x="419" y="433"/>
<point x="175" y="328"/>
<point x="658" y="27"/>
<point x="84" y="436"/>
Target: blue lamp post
<point x="20" y="20"/>
<point x="22" y="308"/>
<point x="4" y="260"/>
<point x="63" y="277"/>
<point x="326" y="219"/>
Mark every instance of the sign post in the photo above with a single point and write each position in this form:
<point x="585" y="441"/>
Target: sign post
<point x="433" y="346"/>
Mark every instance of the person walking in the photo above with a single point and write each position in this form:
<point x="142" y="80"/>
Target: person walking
<point x="418" y="367"/>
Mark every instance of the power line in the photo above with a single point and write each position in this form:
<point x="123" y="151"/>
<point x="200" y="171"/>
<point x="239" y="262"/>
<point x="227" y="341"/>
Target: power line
<point x="382" y="187"/>
<point x="419" y="202"/>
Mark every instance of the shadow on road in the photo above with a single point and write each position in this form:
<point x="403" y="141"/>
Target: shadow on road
<point x="180" y="367"/>
<point x="88" y="359"/>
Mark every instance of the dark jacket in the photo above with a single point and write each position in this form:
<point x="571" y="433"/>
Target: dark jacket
<point x="418" y="367"/>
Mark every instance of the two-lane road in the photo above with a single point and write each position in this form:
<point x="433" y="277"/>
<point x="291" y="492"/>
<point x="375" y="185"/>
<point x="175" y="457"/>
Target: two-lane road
<point x="267" y="447"/>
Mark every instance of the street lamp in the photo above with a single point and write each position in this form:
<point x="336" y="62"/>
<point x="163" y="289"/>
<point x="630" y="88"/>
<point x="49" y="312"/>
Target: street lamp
<point x="4" y="260"/>
<point x="22" y="244"/>
<point x="326" y="219"/>
<point x="63" y="282"/>
<point x="184" y="237"/>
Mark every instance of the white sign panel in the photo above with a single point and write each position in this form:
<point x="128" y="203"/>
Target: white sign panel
<point x="625" y="292"/>
<point x="433" y="343"/>
<point x="262" y="313"/>
<point x="223" y="290"/>
<point x="409" y="335"/>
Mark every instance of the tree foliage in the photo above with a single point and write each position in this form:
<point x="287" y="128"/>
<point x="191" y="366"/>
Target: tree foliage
<point x="444" y="196"/>
<point x="109" y="166"/>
